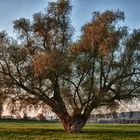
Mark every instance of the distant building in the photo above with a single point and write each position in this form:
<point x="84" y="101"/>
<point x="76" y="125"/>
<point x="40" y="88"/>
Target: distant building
<point x="123" y="117"/>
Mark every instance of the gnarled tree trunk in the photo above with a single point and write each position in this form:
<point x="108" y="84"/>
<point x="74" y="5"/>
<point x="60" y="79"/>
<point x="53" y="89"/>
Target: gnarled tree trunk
<point x="73" y="124"/>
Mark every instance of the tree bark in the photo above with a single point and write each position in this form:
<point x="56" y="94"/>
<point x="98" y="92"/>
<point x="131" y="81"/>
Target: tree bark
<point x="73" y="124"/>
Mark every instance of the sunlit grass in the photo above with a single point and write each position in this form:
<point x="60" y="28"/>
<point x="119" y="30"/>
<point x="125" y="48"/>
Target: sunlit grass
<point x="54" y="131"/>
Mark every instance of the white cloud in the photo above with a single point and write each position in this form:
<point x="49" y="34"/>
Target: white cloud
<point x="54" y="0"/>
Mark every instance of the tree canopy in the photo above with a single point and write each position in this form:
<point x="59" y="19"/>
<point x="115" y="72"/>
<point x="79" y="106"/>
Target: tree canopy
<point x="44" y="64"/>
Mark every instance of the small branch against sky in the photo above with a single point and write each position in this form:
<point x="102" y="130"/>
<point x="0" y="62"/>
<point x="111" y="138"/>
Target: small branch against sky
<point x="82" y="10"/>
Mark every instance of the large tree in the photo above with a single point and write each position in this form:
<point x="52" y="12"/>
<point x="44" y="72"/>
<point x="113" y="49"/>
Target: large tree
<point x="101" y="68"/>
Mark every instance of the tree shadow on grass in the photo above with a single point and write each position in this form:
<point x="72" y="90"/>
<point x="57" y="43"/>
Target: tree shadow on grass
<point x="111" y="133"/>
<point x="30" y="131"/>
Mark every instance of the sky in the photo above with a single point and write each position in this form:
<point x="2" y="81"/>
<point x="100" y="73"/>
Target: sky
<point x="11" y="10"/>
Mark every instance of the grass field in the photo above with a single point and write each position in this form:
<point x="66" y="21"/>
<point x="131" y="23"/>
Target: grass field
<point x="54" y="131"/>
